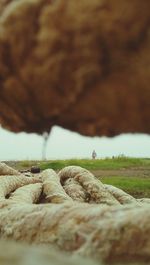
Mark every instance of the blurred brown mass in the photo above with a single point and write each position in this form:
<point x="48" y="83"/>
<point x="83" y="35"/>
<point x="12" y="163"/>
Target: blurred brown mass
<point x="83" y="65"/>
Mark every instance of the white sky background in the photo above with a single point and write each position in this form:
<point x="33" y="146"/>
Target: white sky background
<point x="65" y="144"/>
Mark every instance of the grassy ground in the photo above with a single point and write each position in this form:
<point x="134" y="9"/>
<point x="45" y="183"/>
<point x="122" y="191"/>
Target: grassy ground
<point x="104" y="164"/>
<point x="137" y="187"/>
<point x="130" y="174"/>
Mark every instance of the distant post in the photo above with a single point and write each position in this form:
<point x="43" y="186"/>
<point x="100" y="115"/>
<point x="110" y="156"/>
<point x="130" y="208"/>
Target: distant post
<point x="45" y="139"/>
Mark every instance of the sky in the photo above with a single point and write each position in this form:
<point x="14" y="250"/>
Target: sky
<point x="63" y="144"/>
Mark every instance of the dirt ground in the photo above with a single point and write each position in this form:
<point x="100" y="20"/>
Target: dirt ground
<point x="132" y="172"/>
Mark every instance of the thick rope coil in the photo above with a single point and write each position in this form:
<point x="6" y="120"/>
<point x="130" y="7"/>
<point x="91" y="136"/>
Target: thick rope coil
<point x="77" y="217"/>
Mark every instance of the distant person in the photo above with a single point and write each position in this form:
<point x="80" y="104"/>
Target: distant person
<point x="94" y="155"/>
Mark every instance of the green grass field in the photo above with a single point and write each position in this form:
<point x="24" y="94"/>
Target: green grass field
<point x="104" y="164"/>
<point x="120" y="171"/>
<point x="137" y="187"/>
<point x="116" y="163"/>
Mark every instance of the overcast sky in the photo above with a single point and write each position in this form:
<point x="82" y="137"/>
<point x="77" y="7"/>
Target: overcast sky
<point x="65" y="144"/>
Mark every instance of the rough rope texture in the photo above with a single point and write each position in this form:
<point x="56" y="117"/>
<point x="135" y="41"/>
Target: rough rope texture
<point x="6" y="170"/>
<point x="23" y="254"/>
<point x="84" y="224"/>
<point x="83" y="65"/>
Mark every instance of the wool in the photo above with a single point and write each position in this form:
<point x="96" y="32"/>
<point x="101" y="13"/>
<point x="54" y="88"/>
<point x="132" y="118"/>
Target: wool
<point x="82" y="65"/>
